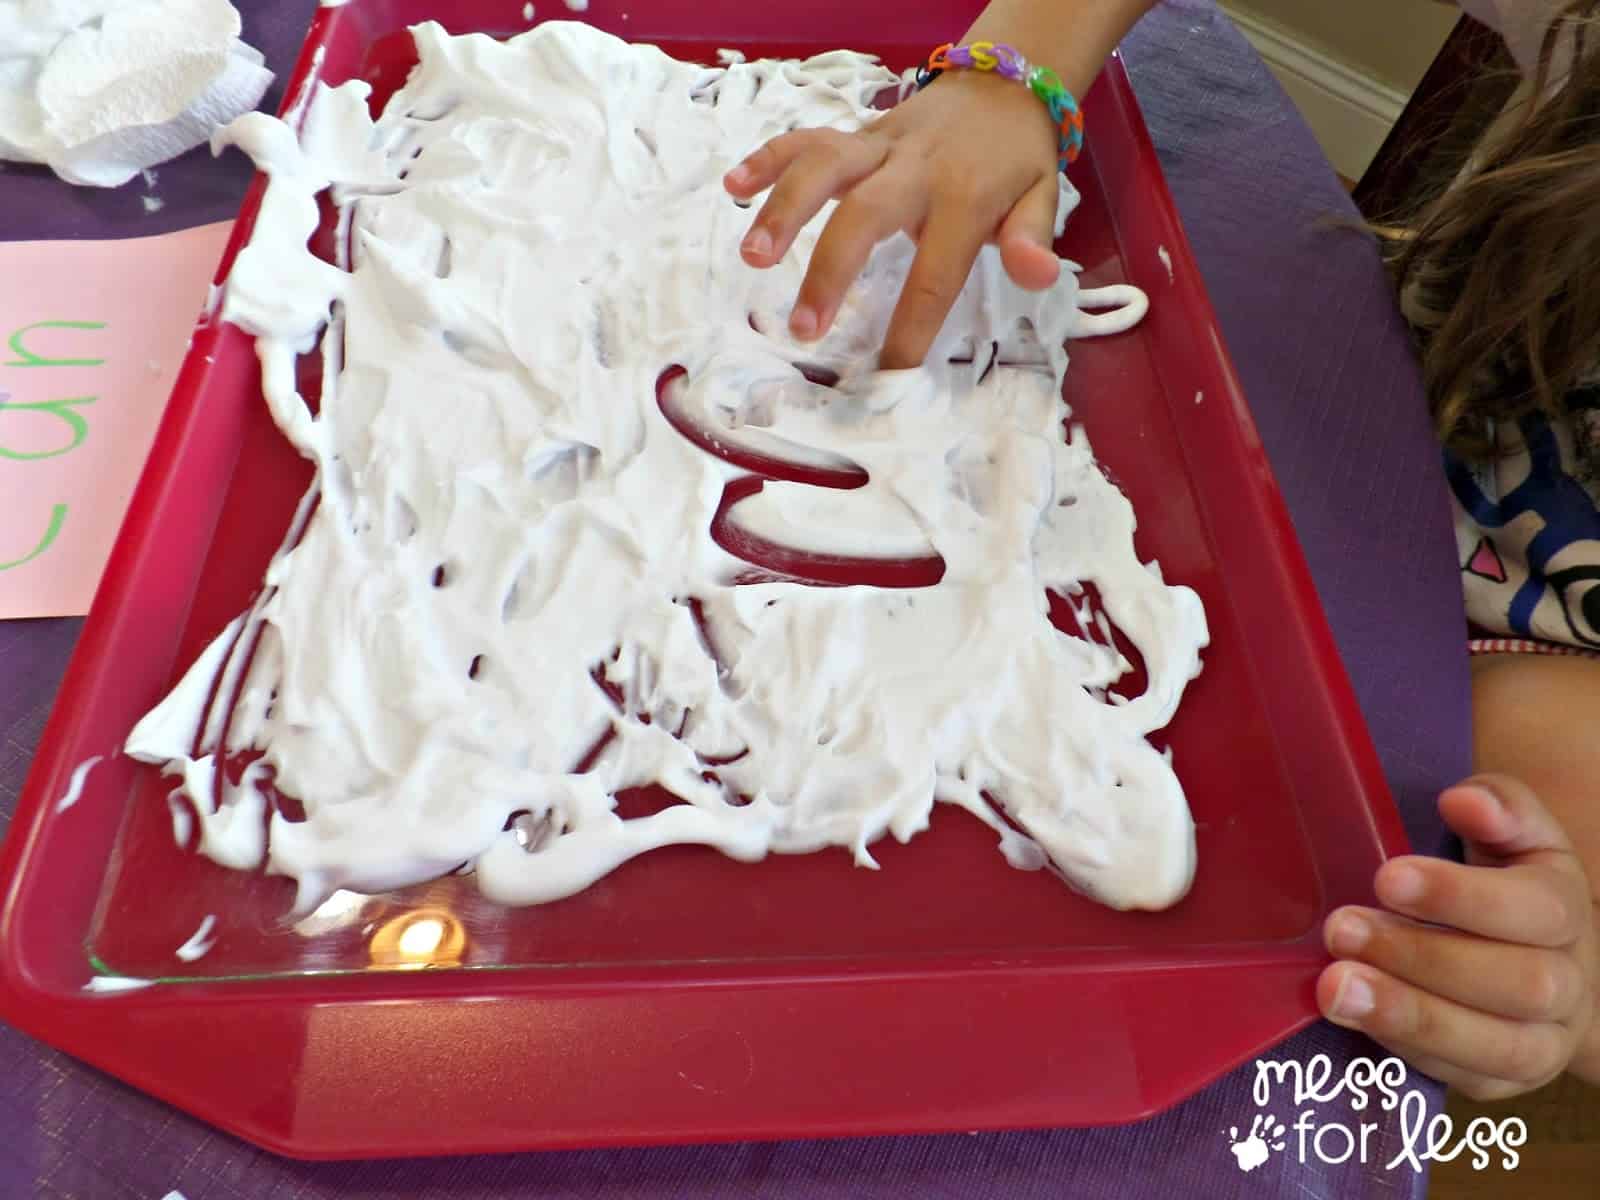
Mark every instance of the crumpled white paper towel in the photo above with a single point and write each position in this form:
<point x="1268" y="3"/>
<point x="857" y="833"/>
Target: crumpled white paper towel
<point x="100" y="90"/>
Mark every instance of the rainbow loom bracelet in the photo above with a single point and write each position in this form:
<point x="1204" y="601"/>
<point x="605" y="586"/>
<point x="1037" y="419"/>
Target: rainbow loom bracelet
<point x="1009" y="62"/>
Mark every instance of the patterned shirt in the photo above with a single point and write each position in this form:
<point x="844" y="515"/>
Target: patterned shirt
<point x="1528" y="530"/>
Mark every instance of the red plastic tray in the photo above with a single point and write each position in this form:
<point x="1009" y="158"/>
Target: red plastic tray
<point x="688" y="997"/>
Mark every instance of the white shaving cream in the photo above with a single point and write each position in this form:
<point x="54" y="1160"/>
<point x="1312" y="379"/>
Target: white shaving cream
<point x="508" y="555"/>
<point x="200" y="941"/>
<point x="80" y="775"/>
<point x="110" y="985"/>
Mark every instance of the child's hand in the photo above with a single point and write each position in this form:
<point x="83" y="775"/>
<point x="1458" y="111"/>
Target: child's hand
<point x="1499" y="1000"/>
<point x="971" y="159"/>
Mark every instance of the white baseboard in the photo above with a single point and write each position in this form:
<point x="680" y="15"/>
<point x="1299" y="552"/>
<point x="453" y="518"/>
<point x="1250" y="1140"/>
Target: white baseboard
<point x="1350" y="112"/>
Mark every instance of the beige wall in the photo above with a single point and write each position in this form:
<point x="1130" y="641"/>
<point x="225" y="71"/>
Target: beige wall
<point x="1393" y="41"/>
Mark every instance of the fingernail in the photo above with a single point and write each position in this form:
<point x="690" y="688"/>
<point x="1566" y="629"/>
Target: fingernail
<point x="803" y="322"/>
<point x="1347" y="934"/>
<point x="739" y="176"/>
<point x="1356" y="998"/>
<point x="1485" y="788"/>
<point x="758" y="243"/>
<point x="1405" y="884"/>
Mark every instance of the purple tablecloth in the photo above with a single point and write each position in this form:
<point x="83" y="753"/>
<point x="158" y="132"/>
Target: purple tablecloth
<point x="1311" y="327"/>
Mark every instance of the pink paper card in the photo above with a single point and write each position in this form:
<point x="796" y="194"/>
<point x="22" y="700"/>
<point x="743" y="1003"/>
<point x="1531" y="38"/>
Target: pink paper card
<point x="91" y="338"/>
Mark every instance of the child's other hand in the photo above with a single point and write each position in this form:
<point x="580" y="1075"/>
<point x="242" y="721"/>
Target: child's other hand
<point x="969" y="160"/>
<point x="1481" y="975"/>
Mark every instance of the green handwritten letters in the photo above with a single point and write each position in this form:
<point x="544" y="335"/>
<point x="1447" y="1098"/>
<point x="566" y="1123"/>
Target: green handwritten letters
<point x="58" y="518"/>
<point x="66" y="410"/>
<point x="56" y="408"/>
<point x="27" y="358"/>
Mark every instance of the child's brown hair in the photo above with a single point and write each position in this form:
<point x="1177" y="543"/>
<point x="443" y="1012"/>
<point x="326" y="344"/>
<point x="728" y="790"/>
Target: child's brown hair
<point x="1499" y="273"/>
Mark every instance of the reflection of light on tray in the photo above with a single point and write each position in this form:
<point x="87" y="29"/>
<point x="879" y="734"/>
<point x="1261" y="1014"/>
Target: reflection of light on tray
<point x="428" y="937"/>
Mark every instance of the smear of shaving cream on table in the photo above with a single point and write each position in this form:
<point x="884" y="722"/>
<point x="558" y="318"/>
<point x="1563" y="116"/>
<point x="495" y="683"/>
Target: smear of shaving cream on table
<point x="80" y="775"/>
<point x="113" y="984"/>
<point x="200" y="942"/>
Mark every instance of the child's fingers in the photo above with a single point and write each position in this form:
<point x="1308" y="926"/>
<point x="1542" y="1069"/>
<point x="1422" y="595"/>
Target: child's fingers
<point x="890" y="200"/>
<point x="829" y="163"/>
<point x="1529" y="905"/>
<point x="760" y="169"/>
<point x="1474" y="1086"/>
<point x="950" y="242"/>
<point x="1504" y="818"/>
<point x="1414" y="1023"/>
<point x="1027" y="237"/>
<point x="1519" y="982"/>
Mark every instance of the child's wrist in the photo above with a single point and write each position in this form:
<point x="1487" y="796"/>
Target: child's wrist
<point x="1072" y="36"/>
<point x="1019" y="104"/>
<point x="1007" y="64"/>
